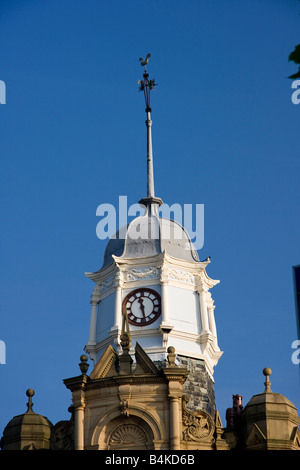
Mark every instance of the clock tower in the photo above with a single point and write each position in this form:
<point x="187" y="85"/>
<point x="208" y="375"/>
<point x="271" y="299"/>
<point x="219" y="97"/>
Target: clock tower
<point x="151" y="271"/>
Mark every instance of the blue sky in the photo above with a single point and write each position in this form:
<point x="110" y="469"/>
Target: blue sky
<point x="225" y="134"/>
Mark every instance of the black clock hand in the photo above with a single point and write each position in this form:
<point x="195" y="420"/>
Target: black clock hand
<point x="140" y="300"/>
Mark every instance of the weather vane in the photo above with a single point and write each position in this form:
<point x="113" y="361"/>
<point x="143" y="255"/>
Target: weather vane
<point x="146" y="85"/>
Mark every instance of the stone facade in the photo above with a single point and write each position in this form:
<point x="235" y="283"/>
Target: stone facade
<point x="128" y="403"/>
<point x="132" y="404"/>
<point x="199" y="386"/>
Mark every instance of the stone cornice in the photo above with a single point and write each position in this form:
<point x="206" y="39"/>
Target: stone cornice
<point x="132" y="379"/>
<point x="156" y="260"/>
<point x="77" y="383"/>
<point x="102" y="274"/>
<point x="176" y="373"/>
<point x="157" y="269"/>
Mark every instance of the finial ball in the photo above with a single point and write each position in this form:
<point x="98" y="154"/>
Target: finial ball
<point x="83" y="365"/>
<point x="267" y="371"/>
<point x="30" y="392"/>
<point x="171" y="349"/>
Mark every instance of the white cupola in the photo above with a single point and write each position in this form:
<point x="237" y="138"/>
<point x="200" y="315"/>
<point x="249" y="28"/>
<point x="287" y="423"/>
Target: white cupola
<point x="152" y="269"/>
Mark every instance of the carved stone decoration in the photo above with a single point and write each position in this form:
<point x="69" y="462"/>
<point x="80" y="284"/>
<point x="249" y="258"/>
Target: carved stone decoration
<point x="106" y="284"/>
<point x="95" y="297"/>
<point x="62" y="436"/>
<point x="124" y="397"/>
<point x="198" y="425"/>
<point x="127" y="436"/>
<point x="124" y="405"/>
<point x="137" y="274"/>
<point x="182" y="276"/>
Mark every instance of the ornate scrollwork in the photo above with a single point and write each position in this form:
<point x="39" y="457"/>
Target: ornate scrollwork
<point x="198" y="425"/>
<point x="136" y="274"/>
<point x="182" y="276"/>
<point x="106" y="284"/>
<point x="62" y="436"/>
<point x="124" y="407"/>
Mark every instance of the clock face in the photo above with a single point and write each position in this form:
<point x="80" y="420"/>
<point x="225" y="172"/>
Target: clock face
<point x="143" y="306"/>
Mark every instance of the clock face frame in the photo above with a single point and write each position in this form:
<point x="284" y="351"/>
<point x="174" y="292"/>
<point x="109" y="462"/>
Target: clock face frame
<point x="143" y="306"/>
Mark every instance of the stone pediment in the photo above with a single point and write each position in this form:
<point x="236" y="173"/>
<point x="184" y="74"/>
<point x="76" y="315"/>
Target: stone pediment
<point x="144" y="364"/>
<point x="295" y="438"/>
<point x="256" y="437"/>
<point x="106" y="366"/>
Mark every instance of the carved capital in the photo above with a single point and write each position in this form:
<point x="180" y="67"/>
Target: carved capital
<point x="118" y="280"/>
<point x="175" y="390"/>
<point x="176" y="376"/>
<point x="201" y="284"/>
<point x="164" y="274"/>
<point x="106" y="284"/>
<point x="78" y="401"/>
<point x="95" y="297"/>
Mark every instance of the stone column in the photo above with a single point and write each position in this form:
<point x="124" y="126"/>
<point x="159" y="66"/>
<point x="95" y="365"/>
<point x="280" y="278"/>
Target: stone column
<point x="118" y="301"/>
<point x="202" y="293"/>
<point x="165" y="326"/>
<point x="164" y="298"/>
<point x="95" y="298"/>
<point x="93" y="322"/>
<point x="79" y="428"/>
<point x="175" y="376"/>
<point x="211" y="320"/>
<point x="175" y="421"/>
<point x="203" y="310"/>
<point x="77" y="385"/>
<point x="164" y="302"/>
<point x="79" y="405"/>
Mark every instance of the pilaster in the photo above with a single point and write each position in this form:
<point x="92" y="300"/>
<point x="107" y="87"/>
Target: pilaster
<point x="175" y="376"/>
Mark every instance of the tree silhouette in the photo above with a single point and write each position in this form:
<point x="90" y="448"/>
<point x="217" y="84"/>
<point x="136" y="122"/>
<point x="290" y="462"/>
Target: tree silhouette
<point x="295" y="57"/>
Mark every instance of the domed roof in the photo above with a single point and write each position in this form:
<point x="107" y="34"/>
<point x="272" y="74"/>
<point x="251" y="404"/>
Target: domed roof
<point x="269" y="400"/>
<point x="149" y="235"/>
<point x="265" y="399"/>
<point x="270" y="421"/>
<point x="27" y="431"/>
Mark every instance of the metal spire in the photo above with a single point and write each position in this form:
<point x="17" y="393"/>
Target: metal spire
<point x="147" y="86"/>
